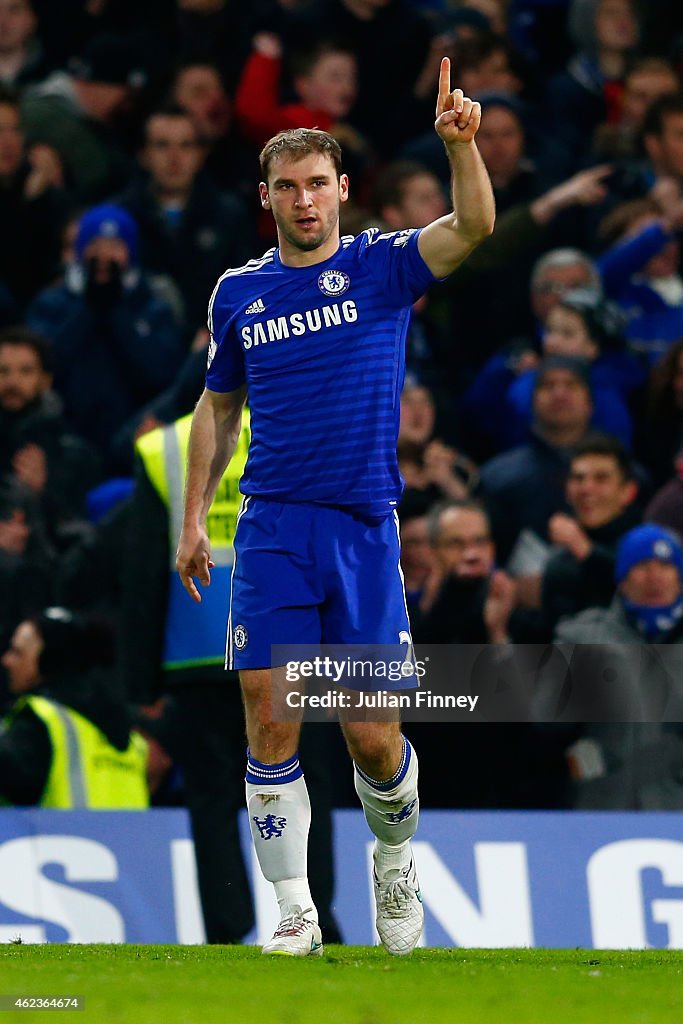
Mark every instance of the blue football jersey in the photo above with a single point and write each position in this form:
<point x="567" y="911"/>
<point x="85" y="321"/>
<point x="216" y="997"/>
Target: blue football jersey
<point x="322" y="351"/>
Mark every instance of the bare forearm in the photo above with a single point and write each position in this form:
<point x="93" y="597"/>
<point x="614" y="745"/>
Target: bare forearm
<point x="213" y="439"/>
<point x="446" y="242"/>
<point x="474" y="207"/>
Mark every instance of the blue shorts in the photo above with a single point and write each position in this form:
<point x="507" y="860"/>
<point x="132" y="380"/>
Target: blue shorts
<point x="309" y="574"/>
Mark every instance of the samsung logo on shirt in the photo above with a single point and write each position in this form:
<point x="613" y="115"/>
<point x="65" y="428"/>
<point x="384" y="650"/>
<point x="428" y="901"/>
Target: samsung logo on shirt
<point x="297" y="324"/>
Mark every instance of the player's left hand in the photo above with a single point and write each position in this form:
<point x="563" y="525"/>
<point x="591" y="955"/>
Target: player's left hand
<point x="457" y="117"/>
<point x="193" y="558"/>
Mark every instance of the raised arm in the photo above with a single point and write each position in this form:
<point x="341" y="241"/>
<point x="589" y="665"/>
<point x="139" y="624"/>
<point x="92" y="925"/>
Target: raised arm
<point x="446" y="242"/>
<point x="216" y="427"/>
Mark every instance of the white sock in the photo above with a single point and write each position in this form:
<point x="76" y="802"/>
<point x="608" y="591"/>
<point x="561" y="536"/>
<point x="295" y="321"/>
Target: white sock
<point x="279" y="818"/>
<point x="392" y="809"/>
<point x="294" y="897"/>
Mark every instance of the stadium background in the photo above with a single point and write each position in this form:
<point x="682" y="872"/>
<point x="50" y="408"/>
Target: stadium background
<point x="159" y="110"/>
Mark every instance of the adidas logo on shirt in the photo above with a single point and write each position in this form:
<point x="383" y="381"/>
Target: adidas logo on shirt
<point x="256" y="307"/>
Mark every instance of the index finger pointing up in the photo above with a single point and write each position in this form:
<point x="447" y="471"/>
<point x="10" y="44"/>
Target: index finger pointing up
<point x="442" y="102"/>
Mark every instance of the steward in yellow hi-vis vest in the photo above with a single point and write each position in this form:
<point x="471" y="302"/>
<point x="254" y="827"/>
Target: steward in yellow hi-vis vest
<point x="173" y="665"/>
<point x="195" y="634"/>
<point x="66" y="742"/>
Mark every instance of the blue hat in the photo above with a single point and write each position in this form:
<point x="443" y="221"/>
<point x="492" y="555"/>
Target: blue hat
<point x="107" y="221"/>
<point x="644" y="543"/>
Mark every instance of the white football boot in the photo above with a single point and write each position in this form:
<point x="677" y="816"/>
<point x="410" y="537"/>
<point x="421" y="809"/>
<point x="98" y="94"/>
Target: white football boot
<point x="400" y="914"/>
<point x="296" y="936"/>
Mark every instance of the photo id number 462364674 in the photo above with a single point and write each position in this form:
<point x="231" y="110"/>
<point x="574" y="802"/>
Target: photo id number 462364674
<point x="24" y="1002"/>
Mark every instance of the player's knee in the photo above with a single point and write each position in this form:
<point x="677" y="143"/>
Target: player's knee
<point x="256" y="691"/>
<point x="374" y="747"/>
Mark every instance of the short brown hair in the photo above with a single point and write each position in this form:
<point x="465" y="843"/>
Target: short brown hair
<point x="298" y="143"/>
<point x="608" y="446"/>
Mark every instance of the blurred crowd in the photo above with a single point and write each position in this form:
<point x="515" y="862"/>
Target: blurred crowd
<point x="541" y="434"/>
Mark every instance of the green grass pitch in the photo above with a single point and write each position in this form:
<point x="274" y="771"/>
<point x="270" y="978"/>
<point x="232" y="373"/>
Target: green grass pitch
<point x="350" y="985"/>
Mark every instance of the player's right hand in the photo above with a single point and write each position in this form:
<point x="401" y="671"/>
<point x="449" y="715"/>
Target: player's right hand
<point x="193" y="558"/>
<point x="457" y="116"/>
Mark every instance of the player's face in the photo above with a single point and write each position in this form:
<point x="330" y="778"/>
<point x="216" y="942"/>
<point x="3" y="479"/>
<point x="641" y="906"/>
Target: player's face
<point x="22" y="377"/>
<point x="597" y="490"/>
<point x="304" y="196"/>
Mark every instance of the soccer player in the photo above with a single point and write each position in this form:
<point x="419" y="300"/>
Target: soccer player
<point x="314" y="332"/>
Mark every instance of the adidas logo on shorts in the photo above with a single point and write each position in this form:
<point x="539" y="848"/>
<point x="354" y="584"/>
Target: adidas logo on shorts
<point x="256" y="307"/>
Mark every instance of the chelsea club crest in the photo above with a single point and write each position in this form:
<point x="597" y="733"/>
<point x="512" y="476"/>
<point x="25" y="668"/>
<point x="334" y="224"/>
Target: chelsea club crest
<point x="333" y="282"/>
<point x="240" y="637"/>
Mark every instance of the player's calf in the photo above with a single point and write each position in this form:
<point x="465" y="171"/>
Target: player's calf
<point x="392" y="809"/>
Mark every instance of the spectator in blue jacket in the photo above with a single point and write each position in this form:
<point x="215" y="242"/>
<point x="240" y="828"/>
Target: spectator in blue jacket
<point x="484" y="411"/>
<point x="497" y="406"/>
<point x="583" y="326"/>
<point x="641" y="271"/>
<point x="116" y="343"/>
